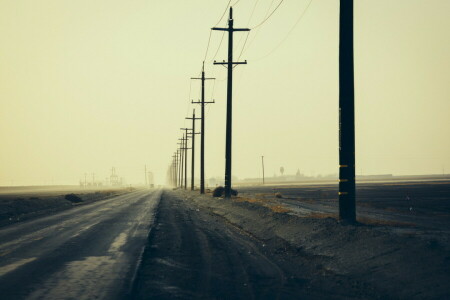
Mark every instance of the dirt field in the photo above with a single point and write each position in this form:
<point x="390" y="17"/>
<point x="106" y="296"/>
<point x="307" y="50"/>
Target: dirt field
<point x="23" y="203"/>
<point x="212" y="248"/>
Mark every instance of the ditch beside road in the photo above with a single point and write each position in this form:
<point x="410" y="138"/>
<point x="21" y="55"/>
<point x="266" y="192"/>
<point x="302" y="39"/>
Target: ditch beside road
<point x="213" y="248"/>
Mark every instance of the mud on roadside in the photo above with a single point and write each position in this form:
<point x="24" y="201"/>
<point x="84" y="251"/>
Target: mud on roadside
<point x="401" y="266"/>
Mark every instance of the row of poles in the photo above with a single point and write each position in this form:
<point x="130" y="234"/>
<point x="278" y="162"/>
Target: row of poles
<point x="179" y="159"/>
<point x="347" y="186"/>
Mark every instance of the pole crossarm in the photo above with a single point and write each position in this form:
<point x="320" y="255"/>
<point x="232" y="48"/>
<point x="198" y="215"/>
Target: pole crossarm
<point x="203" y="102"/>
<point x="228" y="63"/>
<point x="230" y="29"/>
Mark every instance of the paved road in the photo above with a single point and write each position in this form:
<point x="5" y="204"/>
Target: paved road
<point x="88" y="252"/>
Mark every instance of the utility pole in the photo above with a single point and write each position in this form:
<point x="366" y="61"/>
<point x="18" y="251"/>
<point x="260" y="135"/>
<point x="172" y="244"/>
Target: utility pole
<point x="174" y="169"/>
<point x="347" y="186"/>
<point x="202" y="136"/>
<point x="145" y="170"/>
<point x="185" y="155"/>
<point x="229" y="64"/>
<point x="262" y="159"/>
<point x="180" y="167"/>
<point x="193" y="148"/>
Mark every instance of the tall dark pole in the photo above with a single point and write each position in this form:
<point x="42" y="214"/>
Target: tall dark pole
<point x="262" y="161"/>
<point x="175" y="169"/>
<point x="193" y="148"/>
<point x="185" y="149"/>
<point x="229" y="64"/>
<point x="185" y="158"/>
<point x="202" y="136"/>
<point x="178" y="166"/>
<point x="180" y="169"/>
<point x="347" y="211"/>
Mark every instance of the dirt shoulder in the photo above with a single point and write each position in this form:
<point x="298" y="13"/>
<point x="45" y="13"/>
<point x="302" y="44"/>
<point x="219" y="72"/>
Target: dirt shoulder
<point x="193" y="253"/>
<point x="19" y="206"/>
<point x="402" y="266"/>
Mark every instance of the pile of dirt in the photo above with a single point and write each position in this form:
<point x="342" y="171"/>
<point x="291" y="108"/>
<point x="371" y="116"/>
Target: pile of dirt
<point x="73" y="198"/>
<point x="404" y="266"/>
<point x="220" y="192"/>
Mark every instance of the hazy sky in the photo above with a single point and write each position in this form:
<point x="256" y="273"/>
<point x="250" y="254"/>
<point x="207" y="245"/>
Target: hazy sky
<point x="90" y="84"/>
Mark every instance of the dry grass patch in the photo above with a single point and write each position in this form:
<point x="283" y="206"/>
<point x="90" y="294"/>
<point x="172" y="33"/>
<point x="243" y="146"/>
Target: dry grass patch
<point x="370" y="221"/>
<point x="275" y="207"/>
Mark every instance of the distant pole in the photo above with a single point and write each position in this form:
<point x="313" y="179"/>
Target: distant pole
<point x="145" y="167"/>
<point x="179" y="167"/>
<point x="185" y="149"/>
<point x="180" y="163"/>
<point x="229" y="64"/>
<point x="347" y="186"/>
<point x="174" y="166"/>
<point x="202" y="136"/>
<point x="85" y="179"/>
<point x="193" y="148"/>
<point x="262" y="159"/>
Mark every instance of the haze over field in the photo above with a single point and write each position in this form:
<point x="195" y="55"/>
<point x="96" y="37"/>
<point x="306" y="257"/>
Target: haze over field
<point x="88" y="85"/>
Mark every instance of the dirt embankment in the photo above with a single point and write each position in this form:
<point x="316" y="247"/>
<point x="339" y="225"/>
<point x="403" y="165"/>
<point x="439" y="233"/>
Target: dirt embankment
<point x="403" y="266"/>
<point x="16" y="207"/>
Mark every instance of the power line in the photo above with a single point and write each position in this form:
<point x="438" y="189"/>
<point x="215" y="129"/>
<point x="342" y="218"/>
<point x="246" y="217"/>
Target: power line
<point x="207" y="47"/>
<point x="268" y="17"/>
<point x="224" y="12"/>
<point x="257" y="31"/>
<point x="287" y="35"/>
<point x="235" y="3"/>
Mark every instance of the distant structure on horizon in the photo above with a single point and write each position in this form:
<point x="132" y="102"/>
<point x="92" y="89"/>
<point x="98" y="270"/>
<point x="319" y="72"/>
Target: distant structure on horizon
<point x="114" y="179"/>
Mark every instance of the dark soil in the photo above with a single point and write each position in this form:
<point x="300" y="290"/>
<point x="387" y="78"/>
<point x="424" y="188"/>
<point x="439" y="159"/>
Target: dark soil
<point x="213" y="248"/>
<point x="16" y="207"/>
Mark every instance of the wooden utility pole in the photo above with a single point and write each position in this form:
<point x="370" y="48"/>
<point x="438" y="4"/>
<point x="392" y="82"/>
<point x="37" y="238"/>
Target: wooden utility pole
<point x="174" y="167"/>
<point x="262" y="160"/>
<point x="185" y="136"/>
<point x="193" y="148"/>
<point x="145" y="171"/>
<point x="180" y="168"/>
<point x="230" y="65"/>
<point x="202" y="136"/>
<point x="347" y="186"/>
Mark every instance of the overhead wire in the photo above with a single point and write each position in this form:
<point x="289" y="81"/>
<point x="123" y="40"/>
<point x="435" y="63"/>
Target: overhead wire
<point x="288" y="34"/>
<point x="259" y="28"/>
<point x="207" y="47"/>
<point x="224" y="12"/>
<point x="268" y="17"/>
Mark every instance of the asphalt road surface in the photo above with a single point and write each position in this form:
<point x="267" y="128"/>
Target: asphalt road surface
<point x="88" y="252"/>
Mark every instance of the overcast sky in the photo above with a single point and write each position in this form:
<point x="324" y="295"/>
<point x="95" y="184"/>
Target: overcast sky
<point x="90" y="84"/>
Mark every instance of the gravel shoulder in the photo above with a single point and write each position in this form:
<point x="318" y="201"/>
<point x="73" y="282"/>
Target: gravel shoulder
<point x="212" y="248"/>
